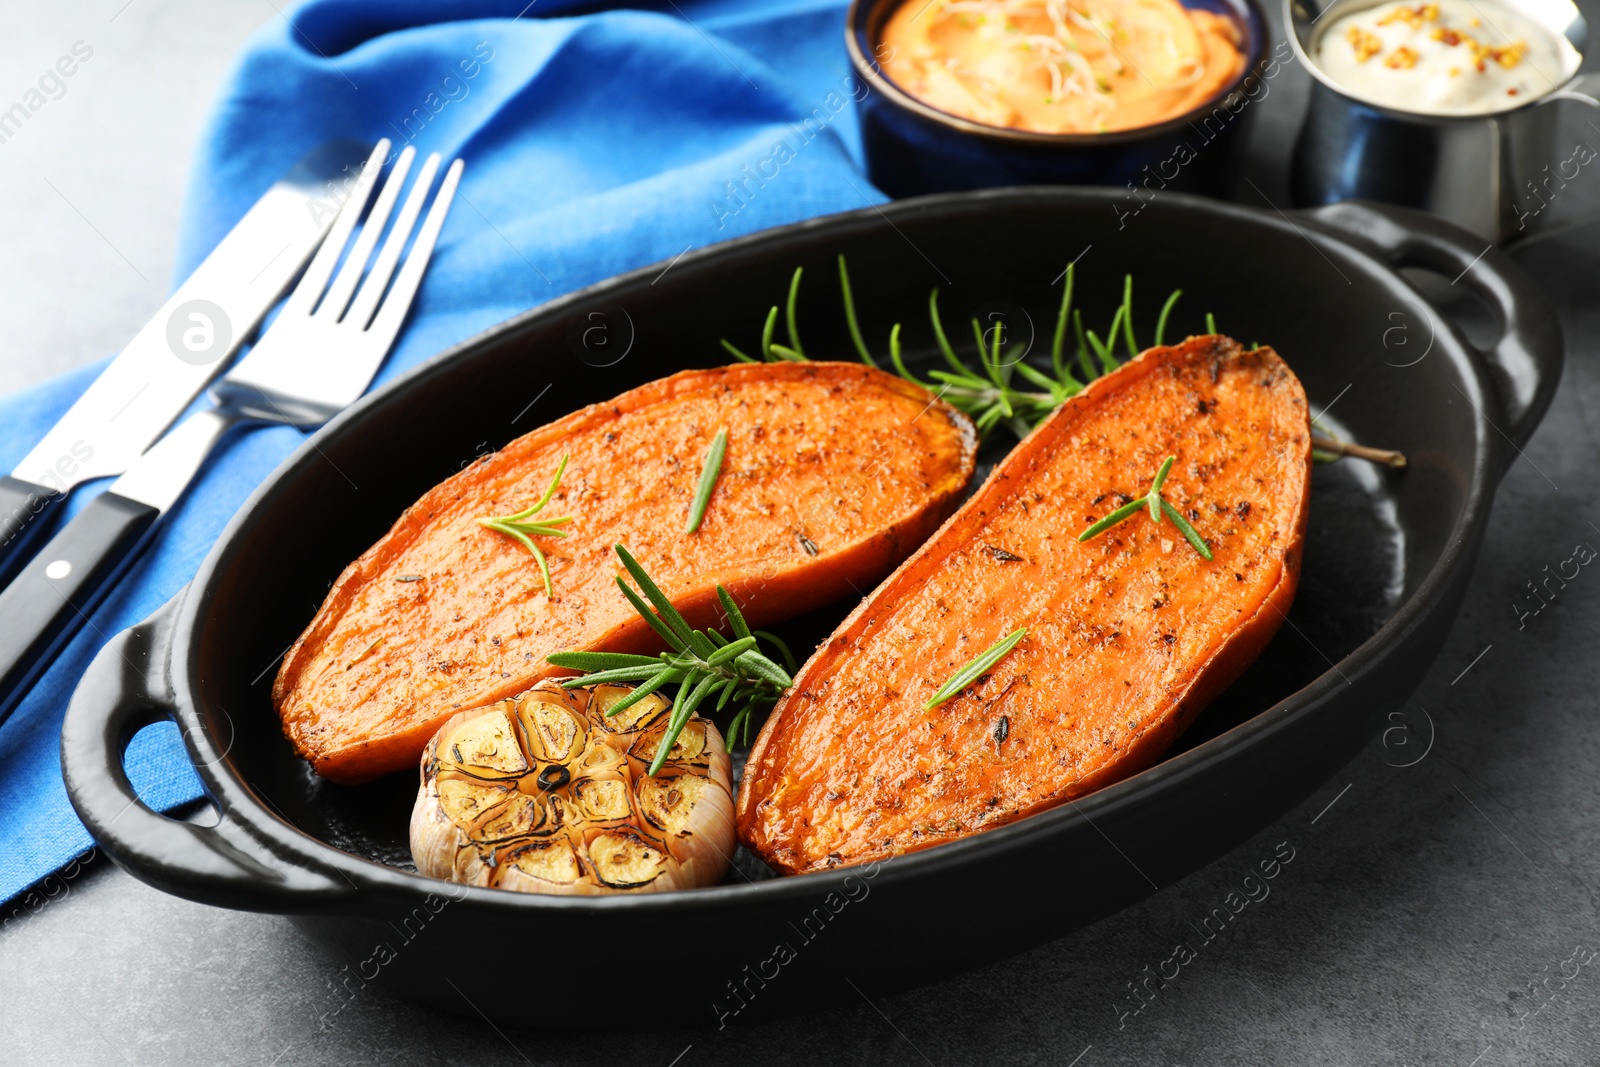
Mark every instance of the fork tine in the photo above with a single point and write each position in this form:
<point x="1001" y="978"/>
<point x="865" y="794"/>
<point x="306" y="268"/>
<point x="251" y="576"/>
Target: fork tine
<point x="344" y="283"/>
<point x="393" y="312"/>
<point x="316" y="276"/>
<point x="372" y="289"/>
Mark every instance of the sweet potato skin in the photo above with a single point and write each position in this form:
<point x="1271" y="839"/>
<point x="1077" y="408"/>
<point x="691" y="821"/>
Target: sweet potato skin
<point x="1129" y="634"/>
<point x="834" y="472"/>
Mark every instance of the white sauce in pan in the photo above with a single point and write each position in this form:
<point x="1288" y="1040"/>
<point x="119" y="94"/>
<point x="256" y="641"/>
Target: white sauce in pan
<point x="1443" y="57"/>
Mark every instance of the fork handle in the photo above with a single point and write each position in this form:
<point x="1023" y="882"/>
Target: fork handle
<point x="46" y="603"/>
<point x="25" y="510"/>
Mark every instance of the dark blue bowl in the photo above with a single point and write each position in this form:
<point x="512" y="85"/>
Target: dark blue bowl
<point x="912" y="148"/>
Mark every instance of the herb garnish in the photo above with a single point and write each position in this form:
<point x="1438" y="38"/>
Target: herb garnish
<point x="517" y="525"/>
<point x="975" y="669"/>
<point x="709" y="471"/>
<point x="988" y="394"/>
<point x="701" y="663"/>
<point x="1157" y="504"/>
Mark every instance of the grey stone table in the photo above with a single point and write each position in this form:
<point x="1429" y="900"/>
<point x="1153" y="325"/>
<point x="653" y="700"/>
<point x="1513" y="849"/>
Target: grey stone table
<point x="1426" y="917"/>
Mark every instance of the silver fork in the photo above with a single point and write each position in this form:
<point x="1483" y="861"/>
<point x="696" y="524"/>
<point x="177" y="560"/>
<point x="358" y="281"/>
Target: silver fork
<point x="316" y="359"/>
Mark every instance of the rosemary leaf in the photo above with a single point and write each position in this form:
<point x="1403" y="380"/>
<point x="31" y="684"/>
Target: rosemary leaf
<point x="1127" y="315"/>
<point x="762" y="667"/>
<point x="735" y="616"/>
<point x="612" y="677"/>
<point x="1189" y="533"/>
<point x="766" y="334"/>
<point x="983" y="351"/>
<point x="1108" y="358"/>
<point x="733" y="350"/>
<point x="663" y="605"/>
<point x="966" y="380"/>
<point x="1166" y="309"/>
<point x="1154" y="496"/>
<point x="899" y="362"/>
<point x="975" y="669"/>
<point x="544" y="567"/>
<point x="730" y="651"/>
<point x="682" y="712"/>
<point x="850" y="315"/>
<point x="662" y="630"/>
<point x="986" y="421"/>
<point x="1001" y="367"/>
<point x="550" y="491"/>
<point x="950" y="356"/>
<point x="740" y="719"/>
<point x="601" y="661"/>
<point x="664" y="677"/>
<point x="1211" y="323"/>
<point x="701" y="645"/>
<point x="1058" y="343"/>
<point x="1058" y="390"/>
<point x="745" y="716"/>
<point x="1102" y="351"/>
<point x="710" y="469"/>
<point x="777" y="642"/>
<point x="1112" y="519"/>
<point x="1089" y="373"/>
<point x="789" y="314"/>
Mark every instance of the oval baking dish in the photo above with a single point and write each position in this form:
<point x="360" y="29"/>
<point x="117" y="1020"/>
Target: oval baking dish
<point x="1388" y="556"/>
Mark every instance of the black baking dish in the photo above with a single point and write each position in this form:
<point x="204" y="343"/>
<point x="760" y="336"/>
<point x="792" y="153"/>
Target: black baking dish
<point x="1387" y="561"/>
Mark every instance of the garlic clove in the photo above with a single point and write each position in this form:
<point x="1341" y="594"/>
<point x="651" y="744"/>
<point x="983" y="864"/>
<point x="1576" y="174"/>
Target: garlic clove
<point x="624" y="860"/>
<point x="555" y="731"/>
<point x="484" y="743"/>
<point x="628" y="719"/>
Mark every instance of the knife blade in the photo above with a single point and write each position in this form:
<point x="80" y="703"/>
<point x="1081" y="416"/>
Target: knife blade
<point x="182" y="348"/>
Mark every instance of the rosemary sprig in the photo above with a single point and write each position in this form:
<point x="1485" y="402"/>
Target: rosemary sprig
<point x="1157" y="506"/>
<point x="709" y="471"/>
<point x="975" y="668"/>
<point x="990" y="395"/>
<point x="519" y="527"/>
<point x="701" y="663"/>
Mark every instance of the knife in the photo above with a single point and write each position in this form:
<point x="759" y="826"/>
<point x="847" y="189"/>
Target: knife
<point x="318" y="357"/>
<point x="181" y="349"/>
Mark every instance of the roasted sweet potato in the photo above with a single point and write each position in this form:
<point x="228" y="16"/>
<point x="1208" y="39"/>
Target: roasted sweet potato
<point x="834" y="472"/>
<point x="1129" y="635"/>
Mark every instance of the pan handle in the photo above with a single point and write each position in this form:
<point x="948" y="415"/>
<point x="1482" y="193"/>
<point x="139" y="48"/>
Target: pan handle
<point x="1526" y="358"/>
<point x="124" y="690"/>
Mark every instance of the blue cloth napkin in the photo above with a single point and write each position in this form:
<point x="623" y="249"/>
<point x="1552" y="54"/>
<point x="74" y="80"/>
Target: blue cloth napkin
<point x="594" y="143"/>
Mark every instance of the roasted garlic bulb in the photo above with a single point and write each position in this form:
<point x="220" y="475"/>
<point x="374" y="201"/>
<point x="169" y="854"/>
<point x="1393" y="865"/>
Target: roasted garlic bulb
<point x="543" y="793"/>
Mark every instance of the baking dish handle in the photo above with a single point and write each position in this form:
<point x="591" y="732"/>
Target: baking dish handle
<point x="1526" y="358"/>
<point x="124" y="690"/>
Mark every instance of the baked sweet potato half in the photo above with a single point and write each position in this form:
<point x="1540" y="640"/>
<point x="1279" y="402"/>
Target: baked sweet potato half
<point x="833" y="473"/>
<point x="1128" y="635"/>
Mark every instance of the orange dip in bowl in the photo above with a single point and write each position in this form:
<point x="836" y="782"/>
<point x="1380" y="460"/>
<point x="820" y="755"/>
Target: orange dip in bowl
<point x="1061" y="66"/>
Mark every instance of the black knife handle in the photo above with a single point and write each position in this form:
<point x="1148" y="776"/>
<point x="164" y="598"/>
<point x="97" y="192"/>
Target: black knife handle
<point x="23" y="514"/>
<point x="46" y="603"/>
